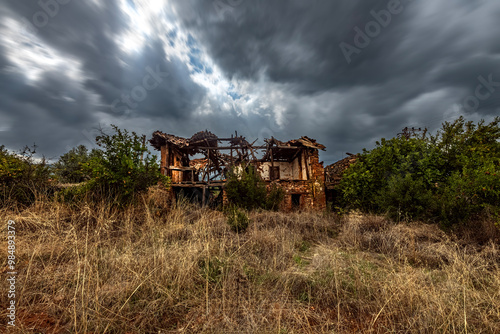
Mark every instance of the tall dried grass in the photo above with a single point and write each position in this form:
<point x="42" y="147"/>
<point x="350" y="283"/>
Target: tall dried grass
<point x="177" y="268"/>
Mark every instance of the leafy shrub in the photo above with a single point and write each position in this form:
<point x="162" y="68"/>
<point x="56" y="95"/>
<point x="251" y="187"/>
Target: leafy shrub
<point x="405" y="198"/>
<point x="246" y="189"/>
<point x="122" y="167"/>
<point x="237" y="219"/>
<point x="275" y="197"/>
<point x="449" y="177"/>
<point x="394" y="162"/>
<point x="70" y="166"/>
<point x="22" y="178"/>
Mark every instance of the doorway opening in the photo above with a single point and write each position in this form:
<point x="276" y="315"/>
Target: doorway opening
<point x="296" y="201"/>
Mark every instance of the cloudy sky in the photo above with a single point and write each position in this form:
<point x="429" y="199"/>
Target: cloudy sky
<point x="344" y="72"/>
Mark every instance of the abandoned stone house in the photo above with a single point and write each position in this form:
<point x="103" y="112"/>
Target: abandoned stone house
<point x="198" y="166"/>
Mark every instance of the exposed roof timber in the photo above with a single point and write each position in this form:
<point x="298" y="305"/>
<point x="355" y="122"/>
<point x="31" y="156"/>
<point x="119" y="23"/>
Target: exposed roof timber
<point x="205" y="141"/>
<point x="302" y="141"/>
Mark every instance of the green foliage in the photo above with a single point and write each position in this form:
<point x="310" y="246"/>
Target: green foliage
<point x="246" y="189"/>
<point x="386" y="166"/>
<point x="405" y="197"/>
<point x="447" y="177"/>
<point x="70" y="166"/>
<point x="237" y="219"/>
<point x="304" y="246"/>
<point x="22" y="177"/>
<point x="122" y="167"/>
<point x="275" y="197"/>
<point x="211" y="270"/>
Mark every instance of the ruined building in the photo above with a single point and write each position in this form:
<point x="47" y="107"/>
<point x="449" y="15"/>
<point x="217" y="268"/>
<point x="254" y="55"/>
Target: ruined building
<point x="198" y="166"/>
<point x="333" y="176"/>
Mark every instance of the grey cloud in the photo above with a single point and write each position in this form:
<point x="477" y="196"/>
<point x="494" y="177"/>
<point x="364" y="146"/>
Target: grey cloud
<point x="414" y="73"/>
<point x="430" y="46"/>
<point x="56" y="111"/>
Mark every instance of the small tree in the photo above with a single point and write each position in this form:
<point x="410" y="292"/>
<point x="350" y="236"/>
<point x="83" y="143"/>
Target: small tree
<point x="389" y="171"/>
<point x="237" y="219"/>
<point x="70" y="166"/>
<point x="449" y="177"/>
<point x="123" y="166"/>
<point x="22" y="177"/>
<point x="246" y="189"/>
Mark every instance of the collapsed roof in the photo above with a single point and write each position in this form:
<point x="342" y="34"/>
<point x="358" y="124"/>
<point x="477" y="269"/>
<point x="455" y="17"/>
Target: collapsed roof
<point x="199" y="142"/>
<point x="288" y="150"/>
<point x="335" y="171"/>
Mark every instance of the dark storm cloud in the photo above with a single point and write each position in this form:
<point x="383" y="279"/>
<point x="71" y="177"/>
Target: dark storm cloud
<point x="169" y="91"/>
<point x="294" y="41"/>
<point x="89" y="32"/>
<point x="46" y="114"/>
<point x="57" y="111"/>
<point x="429" y="48"/>
<point x="422" y="66"/>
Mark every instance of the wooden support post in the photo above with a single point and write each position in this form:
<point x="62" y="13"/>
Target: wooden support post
<point x="271" y="174"/>
<point x="306" y="158"/>
<point x="164" y="160"/>
<point x="203" y="196"/>
<point x="301" y="175"/>
<point x="208" y="168"/>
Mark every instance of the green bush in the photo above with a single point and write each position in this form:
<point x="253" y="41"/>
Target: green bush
<point x="405" y="198"/>
<point x="370" y="182"/>
<point x="275" y="197"/>
<point x="122" y="167"/>
<point x="22" y="178"/>
<point x="237" y="219"/>
<point x="246" y="189"/>
<point x="70" y="166"/>
<point x="449" y="177"/>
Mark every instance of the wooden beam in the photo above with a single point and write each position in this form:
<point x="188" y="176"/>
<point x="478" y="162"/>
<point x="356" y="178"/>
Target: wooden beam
<point x="208" y="171"/>
<point x="164" y="159"/>
<point x="271" y="175"/>
<point x="295" y="155"/>
<point x="188" y="184"/>
<point x="203" y="195"/>
<point x="306" y="158"/>
<point x="235" y="147"/>
<point x="180" y="169"/>
<point x="301" y="175"/>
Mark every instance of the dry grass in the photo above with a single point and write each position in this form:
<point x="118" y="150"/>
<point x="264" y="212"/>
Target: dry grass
<point x="150" y="269"/>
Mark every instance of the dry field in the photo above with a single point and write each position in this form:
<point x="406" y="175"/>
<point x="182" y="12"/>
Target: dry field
<point x="180" y="269"/>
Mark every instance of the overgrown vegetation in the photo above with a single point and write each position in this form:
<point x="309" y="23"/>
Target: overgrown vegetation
<point x="246" y="189"/>
<point x="237" y="219"/>
<point x="22" y="178"/>
<point x="449" y="178"/>
<point x="70" y="166"/>
<point x="157" y="266"/>
<point x="101" y="269"/>
<point x="122" y="167"/>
